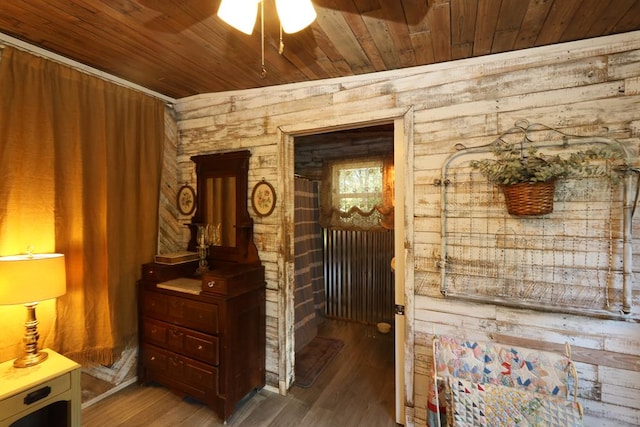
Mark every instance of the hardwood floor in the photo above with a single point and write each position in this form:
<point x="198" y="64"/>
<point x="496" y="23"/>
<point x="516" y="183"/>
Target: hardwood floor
<point x="356" y="389"/>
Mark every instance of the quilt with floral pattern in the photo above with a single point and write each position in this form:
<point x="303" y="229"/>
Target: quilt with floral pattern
<point x="491" y="405"/>
<point x="502" y="369"/>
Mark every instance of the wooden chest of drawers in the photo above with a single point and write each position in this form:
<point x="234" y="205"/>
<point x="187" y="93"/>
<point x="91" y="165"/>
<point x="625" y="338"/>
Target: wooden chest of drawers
<point x="208" y="345"/>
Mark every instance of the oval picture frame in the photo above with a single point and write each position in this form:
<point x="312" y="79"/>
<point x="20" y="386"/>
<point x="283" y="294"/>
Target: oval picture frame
<point x="263" y="198"/>
<point x="186" y="200"/>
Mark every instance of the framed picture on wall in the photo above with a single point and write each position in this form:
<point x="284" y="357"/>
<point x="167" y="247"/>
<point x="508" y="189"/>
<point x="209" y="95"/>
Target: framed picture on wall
<point x="263" y="198"/>
<point x="186" y="200"/>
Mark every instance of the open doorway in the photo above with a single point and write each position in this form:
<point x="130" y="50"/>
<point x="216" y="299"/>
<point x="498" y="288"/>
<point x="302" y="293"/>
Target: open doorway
<point x="350" y="247"/>
<point x="344" y="285"/>
<point x="359" y="305"/>
<point x="402" y="120"/>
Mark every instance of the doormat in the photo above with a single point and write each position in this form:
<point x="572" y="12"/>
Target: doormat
<point x="313" y="358"/>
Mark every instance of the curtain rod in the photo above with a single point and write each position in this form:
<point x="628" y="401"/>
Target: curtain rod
<point x="35" y="50"/>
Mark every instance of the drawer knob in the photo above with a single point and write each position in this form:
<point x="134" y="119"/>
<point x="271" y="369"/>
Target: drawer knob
<point x="153" y="358"/>
<point x="199" y="347"/>
<point x="211" y="283"/>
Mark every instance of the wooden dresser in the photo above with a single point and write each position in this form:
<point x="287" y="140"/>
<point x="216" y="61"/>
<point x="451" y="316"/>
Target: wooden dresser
<point x="203" y="337"/>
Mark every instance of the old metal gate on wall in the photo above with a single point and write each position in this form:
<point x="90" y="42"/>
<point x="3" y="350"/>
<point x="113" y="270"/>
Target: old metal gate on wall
<point x="575" y="259"/>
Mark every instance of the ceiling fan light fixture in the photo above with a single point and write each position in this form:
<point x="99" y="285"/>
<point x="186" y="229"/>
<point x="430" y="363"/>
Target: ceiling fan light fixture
<point x="240" y="14"/>
<point x="295" y="15"/>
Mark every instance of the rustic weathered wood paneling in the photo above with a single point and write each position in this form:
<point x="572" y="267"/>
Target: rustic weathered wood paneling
<point x="579" y="88"/>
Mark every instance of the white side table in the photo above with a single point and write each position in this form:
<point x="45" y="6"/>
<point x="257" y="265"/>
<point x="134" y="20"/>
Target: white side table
<point x="49" y="391"/>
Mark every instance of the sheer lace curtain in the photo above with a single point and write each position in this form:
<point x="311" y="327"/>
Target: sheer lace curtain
<point x="80" y="165"/>
<point x="378" y="211"/>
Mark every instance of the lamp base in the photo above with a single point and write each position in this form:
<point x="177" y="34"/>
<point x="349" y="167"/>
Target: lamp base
<point x="31" y="356"/>
<point x="30" y="360"/>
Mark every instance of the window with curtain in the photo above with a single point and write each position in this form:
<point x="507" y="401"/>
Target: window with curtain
<point x="358" y="194"/>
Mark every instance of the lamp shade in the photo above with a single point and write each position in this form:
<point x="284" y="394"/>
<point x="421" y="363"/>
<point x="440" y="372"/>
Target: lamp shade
<point x="295" y="15"/>
<point x="31" y="278"/>
<point x="240" y="14"/>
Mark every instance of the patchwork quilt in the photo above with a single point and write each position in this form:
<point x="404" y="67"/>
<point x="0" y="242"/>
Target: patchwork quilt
<point x="528" y="385"/>
<point x="477" y="404"/>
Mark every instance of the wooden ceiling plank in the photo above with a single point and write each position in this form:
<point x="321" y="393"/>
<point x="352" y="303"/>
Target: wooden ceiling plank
<point x="512" y="13"/>
<point x="463" y="27"/>
<point x="607" y="21"/>
<point x="327" y="57"/>
<point x="361" y="32"/>
<point x="423" y="47"/>
<point x="415" y="13"/>
<point x="331" y="54"/>
<point x="485" y="26"/>
<point x="419" y="31"/>
<point x="394" y="15"/>
<point x="379" y="30"/>
<point x="590" y="12"/>
<point x="367" y="6"/>
<point x="305" y="60"/>
<point x="628" y="21"/>
<point x="504" y="41"/>
<point x="333" y="24"/>
<point x="440" y="23"/>
<point x="534" y="18"/>
<point x="558" y="19"/>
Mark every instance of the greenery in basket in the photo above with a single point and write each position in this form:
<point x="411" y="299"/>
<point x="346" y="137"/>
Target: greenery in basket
<point x="513" y="164"/>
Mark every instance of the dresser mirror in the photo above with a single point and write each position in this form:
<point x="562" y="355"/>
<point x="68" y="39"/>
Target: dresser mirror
<point x="220" y="211"/>
<point x="222" y="193"/>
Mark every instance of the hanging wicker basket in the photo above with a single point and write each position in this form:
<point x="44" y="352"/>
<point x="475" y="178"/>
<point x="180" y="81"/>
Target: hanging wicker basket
<point x="529" y="198"/>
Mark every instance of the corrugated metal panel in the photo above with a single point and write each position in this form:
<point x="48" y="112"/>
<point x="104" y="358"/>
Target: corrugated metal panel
<point x="358" y="277"/>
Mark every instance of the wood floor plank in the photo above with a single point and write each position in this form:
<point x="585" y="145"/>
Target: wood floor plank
<point x="355" y="389"/>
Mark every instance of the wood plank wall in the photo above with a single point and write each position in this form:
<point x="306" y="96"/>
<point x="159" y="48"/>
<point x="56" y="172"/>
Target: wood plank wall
<point x="588" y="87"/>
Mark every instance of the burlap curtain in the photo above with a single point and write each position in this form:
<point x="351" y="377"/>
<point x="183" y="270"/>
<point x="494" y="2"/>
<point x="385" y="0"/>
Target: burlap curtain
<point x="80" y="164"/>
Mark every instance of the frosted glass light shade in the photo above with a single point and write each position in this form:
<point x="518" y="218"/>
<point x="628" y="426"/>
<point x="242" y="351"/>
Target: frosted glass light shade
<point x="295" y="15"/>
<point x="31" y="278"/>
<point x="240" y="14"/>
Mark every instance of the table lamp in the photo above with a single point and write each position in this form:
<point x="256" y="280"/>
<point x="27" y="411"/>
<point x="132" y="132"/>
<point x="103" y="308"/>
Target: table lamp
<point x="28" y="279"/>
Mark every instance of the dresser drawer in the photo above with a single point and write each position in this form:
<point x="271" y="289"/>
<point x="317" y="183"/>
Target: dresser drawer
<point x="154" y="332"/>
<point x="201" y="377"/>
<point x="154" y="304"/>
<point x="232" y="281"/>
<point x="180" y="369"/>
<point x="42" y="392"/>
<point x="194" y="314"/>
<point x="191" y="314"/>
<point x="215" y="284"/>
<point x="153" y="359"/>
<point x="190" y="343"/>
<point x="203" y="348"/>
<point x="154" y="272"/>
